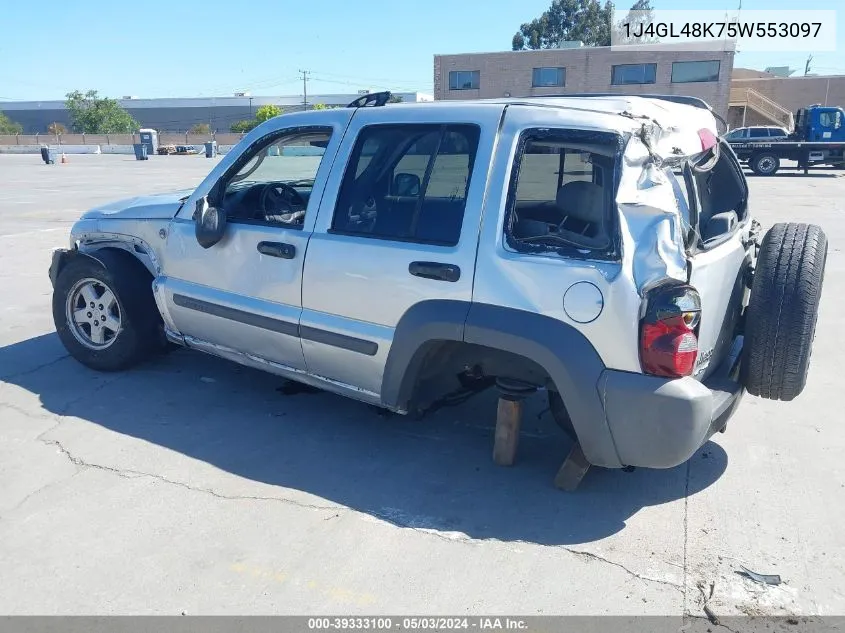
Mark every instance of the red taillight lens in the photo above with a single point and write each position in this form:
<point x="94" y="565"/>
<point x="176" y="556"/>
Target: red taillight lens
<point x="668" y="332"/>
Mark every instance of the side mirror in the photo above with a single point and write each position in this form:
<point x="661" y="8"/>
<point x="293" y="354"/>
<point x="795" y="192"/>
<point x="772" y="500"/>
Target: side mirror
<point x="406" y="185"/>
<point x="210" y="223"/>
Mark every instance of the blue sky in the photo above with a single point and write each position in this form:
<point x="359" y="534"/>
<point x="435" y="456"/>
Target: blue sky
<point x="181" y="48"/>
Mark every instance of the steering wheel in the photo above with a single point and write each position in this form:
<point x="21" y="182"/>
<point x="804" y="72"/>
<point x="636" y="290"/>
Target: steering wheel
<point x="279" y="199"/>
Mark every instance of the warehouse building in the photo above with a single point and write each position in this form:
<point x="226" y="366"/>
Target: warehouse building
<point x="180" y="115"/>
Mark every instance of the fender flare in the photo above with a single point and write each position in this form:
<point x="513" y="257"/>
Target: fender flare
<point x="62" y="256"/>
<point x="562" y="351"/>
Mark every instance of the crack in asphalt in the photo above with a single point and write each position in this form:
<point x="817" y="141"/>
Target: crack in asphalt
<point x="467" y="540"/>
<point x="590" y="555"/>
<point x="135" y="474"/>
<point x="82" y="465"/>
<point x="128" y="473"/>
<point x="686" y="535"/>
<point x="32" y="370"/>
<point x="709" y="622"/>
<point x="38" y="491"/>
<point x="42" y="415"/>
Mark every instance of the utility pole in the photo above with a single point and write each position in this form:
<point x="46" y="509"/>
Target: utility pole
<point x="305" y="74"/>
<point x="807" y="66"/>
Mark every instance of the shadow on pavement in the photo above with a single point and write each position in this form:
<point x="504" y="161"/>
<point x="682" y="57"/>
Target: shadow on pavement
<point x="436" y="473"/>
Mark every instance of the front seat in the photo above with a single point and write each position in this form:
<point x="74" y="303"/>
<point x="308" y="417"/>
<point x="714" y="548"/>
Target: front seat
<point x="583" y="201"/>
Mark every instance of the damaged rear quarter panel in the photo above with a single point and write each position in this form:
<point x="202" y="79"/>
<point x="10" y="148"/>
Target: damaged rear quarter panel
<point x="649" y="219"/>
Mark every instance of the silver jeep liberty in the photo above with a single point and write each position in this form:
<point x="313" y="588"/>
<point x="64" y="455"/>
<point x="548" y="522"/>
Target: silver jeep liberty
<point x="599" y="247"/>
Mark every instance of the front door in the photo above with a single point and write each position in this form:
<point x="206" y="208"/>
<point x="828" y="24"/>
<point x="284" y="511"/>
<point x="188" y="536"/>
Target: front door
<point x="243" y="295"/>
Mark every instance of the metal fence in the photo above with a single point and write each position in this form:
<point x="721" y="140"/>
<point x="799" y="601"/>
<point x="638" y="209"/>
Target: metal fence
<point x="166" y="138"/>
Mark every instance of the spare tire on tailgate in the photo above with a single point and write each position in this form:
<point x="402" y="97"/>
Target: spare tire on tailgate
<point x="781" y="319"/>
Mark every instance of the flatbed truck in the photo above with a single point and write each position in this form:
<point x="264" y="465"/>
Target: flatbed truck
<point x="817" y="140"/>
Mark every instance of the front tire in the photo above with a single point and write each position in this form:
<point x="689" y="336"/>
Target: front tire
<point x="104" y="313"/>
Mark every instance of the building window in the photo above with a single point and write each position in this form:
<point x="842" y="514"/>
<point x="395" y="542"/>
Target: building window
<point x="690" y="72"/>
<point x="464" y="79"/>
<point x="624" y="74"/>
<point x="548" y="77"/>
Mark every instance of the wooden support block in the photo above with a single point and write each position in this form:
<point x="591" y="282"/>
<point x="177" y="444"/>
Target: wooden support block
<point x="574" y="467"/>
<point x="508" y="420"/>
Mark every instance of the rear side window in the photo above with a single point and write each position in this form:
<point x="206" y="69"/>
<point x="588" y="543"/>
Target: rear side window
<point x="408" y="183"/>
<point x="758" y="132"/>
<point x="561" y="193"/>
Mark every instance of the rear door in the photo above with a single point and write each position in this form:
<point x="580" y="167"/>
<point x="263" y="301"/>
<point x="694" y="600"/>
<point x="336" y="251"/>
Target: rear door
<point x="398" y="225"/>
<point x="719" y="259"/>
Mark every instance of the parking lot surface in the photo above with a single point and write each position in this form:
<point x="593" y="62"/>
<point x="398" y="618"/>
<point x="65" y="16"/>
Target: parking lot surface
<point x="194" y="485"/>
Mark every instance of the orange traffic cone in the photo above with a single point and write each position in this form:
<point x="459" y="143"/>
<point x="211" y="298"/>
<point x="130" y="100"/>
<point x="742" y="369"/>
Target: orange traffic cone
<point x="64" y="157"/>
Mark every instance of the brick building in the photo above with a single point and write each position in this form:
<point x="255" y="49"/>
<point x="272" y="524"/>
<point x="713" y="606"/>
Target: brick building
<point x="751" y="92"/>
<point x="661" y="70"/>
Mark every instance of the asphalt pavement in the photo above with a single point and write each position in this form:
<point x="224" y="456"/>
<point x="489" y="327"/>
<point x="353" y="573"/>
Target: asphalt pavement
<point x="193" y="485"/>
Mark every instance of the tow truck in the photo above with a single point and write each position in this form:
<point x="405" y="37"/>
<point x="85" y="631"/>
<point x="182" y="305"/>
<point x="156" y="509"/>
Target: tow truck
<point x="817" y="140"/>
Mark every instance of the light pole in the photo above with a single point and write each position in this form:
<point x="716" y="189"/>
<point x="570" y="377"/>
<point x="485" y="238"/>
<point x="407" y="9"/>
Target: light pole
<point x="250" y="107"/>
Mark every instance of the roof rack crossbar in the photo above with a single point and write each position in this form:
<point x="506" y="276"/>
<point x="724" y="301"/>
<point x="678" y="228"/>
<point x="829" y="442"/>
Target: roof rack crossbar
<point x="371" y="100"/>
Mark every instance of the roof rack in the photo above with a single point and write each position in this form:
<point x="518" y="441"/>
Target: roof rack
<point x="695" y="102"/>
<point x="371" y="100"/>
<point x="685" y="100"/>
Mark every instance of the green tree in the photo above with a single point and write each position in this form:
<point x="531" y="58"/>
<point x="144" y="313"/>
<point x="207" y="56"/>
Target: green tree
<point x="56" y="128"/>
<point x="319" y="106"/>
<point x="395" y="99"/>
<point x="267" y="112"/>
<point x="585" y="20"/>
<point x="243" y="126"/>
<point x="7" y="126"/>
<point x="200" y="128"/>
<point x="640" y="13"/>
<point x="92" y="114"/>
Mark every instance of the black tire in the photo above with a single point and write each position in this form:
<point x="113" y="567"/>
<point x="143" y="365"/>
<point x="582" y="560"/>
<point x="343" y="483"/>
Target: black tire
<point x="782" y="311"/>
<point x="140" y="331"/>
<point x="764" y="164"/>
<point x="561" y="415"/>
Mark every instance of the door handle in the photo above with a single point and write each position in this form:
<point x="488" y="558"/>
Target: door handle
<point x="435" y="270"/>
<point x="277" y="249"/>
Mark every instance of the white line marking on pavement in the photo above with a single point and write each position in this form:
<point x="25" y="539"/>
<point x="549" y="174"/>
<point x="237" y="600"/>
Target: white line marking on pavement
<point x="63" y="228"/>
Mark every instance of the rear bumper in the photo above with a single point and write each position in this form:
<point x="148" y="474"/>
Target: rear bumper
<point x="659" y="422"/>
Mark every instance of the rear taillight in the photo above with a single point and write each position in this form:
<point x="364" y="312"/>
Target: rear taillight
<point x="669" y="331"/>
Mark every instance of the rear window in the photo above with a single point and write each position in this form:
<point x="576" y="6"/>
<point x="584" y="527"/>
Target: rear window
<point x="561" y="193"/>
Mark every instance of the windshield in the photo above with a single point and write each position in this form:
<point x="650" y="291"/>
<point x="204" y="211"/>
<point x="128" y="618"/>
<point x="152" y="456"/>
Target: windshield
<point x="291" y="158"/>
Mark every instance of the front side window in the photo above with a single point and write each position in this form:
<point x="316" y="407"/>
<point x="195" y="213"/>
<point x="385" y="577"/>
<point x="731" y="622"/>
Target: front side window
<point x="464" y="79"/>
<point x="624" y="74"/>
<point x="272" y="182"/>
<point x="408" y="183"/>
<point x="736" y="134"/>
<point x="548" y="77"/>
<point x="562" y="192"/>
<point x="691" y="72"/>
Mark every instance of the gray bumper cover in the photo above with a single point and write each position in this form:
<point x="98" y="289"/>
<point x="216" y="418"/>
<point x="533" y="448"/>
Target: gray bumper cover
<point x="659" y="422"/>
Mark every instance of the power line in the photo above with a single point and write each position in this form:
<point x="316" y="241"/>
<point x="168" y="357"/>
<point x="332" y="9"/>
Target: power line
<point x="391" y="81"/>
